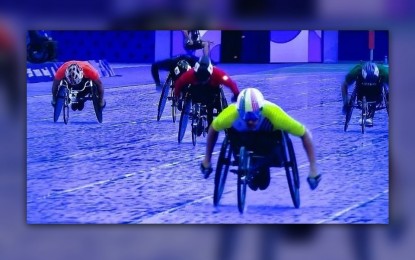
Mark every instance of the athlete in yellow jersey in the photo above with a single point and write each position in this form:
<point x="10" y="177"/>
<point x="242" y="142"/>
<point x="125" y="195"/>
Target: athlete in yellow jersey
<point x="253" y="113"/>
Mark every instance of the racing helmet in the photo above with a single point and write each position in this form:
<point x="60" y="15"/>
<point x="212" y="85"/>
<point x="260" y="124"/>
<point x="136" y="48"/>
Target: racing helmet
<point x="203" y="69"/>
<point x="249" y="104"/>
<point x="74" y="74"/>
<point x="181" y="67"/>
<point x="370" y="73"/>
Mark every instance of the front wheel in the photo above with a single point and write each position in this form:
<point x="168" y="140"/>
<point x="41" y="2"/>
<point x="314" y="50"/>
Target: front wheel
<point x="194" y="130"/>
<point x="365" y="111"/>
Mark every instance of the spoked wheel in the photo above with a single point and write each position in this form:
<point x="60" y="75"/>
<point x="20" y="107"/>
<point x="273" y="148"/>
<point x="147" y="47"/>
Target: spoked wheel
<point x="163" y="98"/>
<point x="173" y="106"/>
<point x="60" y="102"/>
<point x="386" y="99"/>
<point x="66" y="111"/>
<point x="195" y="124"/>
<point x="184" y="118"/>
<point x="223" y="101"/>
<point x="349" y="112"/>
<point x="365" y="111"/>
<point x="95" y="101"/>
<point x="291" y="171"/>
<point x="243" y="170"/>
<point x="222" y="169"/>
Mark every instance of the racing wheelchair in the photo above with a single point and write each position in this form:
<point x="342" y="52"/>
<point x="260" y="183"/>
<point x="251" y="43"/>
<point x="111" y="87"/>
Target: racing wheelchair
<point x="360" y="101"/>
<point x="167" y="93"/>
<point x="68" y="95"/>
<point x="196" y="109"/>
<point x="250" y="151"/>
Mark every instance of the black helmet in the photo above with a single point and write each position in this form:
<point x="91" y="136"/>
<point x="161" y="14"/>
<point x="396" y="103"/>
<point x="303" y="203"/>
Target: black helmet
<point x="181" y="67"/>
<point x="370" y="73"/>
<point x="203" y="69"/>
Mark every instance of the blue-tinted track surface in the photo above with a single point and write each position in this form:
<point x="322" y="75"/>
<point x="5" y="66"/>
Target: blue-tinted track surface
<point x="130" y="168"/>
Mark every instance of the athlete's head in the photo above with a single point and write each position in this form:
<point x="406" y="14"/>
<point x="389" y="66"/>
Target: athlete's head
<point x="181" y="67"/>
<point x="203" y="69"/>
<point x="74" y="74"/>
<point x="249" y="105"/>
<point x="370" y="73"/>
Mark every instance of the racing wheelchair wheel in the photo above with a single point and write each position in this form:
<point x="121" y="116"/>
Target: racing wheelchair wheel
<point x="95" y="101"/>
<point x="243" y="171"/>
<point x="61" y="102"/>
<point x="184" y="118"/>
<point x="163" y="97"/>
<point x="386" y="98"/>
<point x="222" y="168"/>
<point x="66" y="111"/>
<point x="173" y="105"/>
<point x="350" y="107"/>
<point x="195" y="121"/>
<point x="365" y="111"/>
<point x="291" y="170"/>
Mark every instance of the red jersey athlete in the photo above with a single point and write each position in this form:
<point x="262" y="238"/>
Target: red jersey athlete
<point x="76" y="73"/>
<point x="204" y="80"/>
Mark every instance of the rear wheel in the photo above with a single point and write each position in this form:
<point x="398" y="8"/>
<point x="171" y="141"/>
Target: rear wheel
<point x="184" y="118"/>
<point x="350" y="107"/>
<point x="224" y="102"/>
<point x="244" y="163"/>
<point x="97" y="105"/>
<point x="386" y="98"/>
<point x="163" y="98"/>
<point x="60" y="102"/>
<point x="222" y="169"/>
<point x="66" y="112"/>
<point x="291" y="171"/>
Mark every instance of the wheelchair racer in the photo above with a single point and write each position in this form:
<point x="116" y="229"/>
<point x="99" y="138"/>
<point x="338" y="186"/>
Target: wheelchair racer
<point x="170" y="65"/>
<point x="76" y="73"/>
<point x="253" y="113"/>
<point x="370" y="78"/>
<point x="204" y="80"/>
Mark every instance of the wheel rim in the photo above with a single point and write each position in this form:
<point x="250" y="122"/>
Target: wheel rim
<point x="242" y="178"/>
<point x="184" y="118"/>
<point x="221" y="171"/>
<point x="292" y="173"/>
<point x="162" y="101"/>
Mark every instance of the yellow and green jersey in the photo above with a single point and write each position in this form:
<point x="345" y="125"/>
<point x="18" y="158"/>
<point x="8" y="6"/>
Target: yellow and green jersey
<point x="272" y="118"/>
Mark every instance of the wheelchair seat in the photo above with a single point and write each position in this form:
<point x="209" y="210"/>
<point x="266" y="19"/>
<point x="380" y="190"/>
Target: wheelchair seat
<point x="266" y="147"/>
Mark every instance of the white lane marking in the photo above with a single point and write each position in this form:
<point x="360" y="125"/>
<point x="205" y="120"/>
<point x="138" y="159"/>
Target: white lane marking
<point x="89" y="185"/>
<point x="354" y="206"/>
<point x="153" y="219"/>
<point x="281" y="171"/>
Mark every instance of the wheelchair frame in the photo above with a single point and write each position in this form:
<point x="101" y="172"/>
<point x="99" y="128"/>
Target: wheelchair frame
<point x="363" y="105"/>
<point x="244" y="160"/>
<point x="68" y="96"/>
<point x="197" y="112"/>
